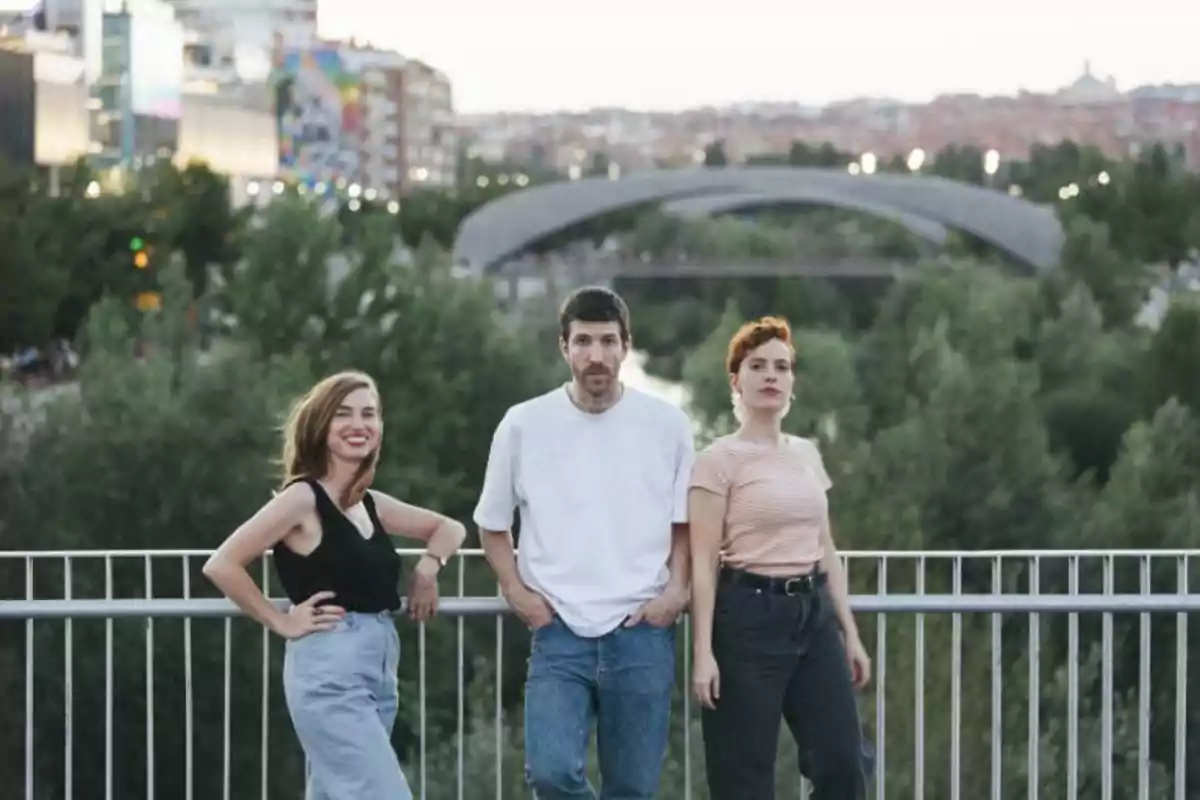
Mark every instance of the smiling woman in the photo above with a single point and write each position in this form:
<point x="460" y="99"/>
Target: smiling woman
<point x="330" y="534"/>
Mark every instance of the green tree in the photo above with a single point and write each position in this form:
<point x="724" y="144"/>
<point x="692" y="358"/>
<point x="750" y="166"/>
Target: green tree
<point x="714" y="154"/>
<point x="1174" y="358"/>
<point x="981" y="313"/>
<point x="1085" y="372"/>
<point x="281" y="290"/>
<point x="150" y="454"/>
<point x="1118" y="283"/>
<point x="152" y="440"/>
<point x="34" y="286"/>
<point x="194" y="208"/>
<point x="803" y="154"/>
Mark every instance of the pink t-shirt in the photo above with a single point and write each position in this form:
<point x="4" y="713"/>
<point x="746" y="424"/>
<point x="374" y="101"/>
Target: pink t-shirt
<point x="776" y="506"/>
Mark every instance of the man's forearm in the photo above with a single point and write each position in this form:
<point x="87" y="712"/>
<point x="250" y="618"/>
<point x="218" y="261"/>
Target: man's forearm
<point x="502" y="557"/>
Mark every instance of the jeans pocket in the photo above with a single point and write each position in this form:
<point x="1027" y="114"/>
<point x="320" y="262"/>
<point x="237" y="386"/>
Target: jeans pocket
<point x="826" y="610"/>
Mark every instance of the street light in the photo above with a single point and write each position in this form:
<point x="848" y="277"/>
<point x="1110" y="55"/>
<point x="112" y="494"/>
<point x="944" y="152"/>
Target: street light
<point x="991" y="162"/>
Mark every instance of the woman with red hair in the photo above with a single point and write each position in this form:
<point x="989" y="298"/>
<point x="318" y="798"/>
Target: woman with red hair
<point x="774" y="635"/>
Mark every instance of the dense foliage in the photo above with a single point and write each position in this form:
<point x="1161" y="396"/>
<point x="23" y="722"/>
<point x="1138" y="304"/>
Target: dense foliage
<point x="963" y="408"/>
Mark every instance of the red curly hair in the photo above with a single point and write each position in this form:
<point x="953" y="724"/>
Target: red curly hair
<point x="753" y="335"/>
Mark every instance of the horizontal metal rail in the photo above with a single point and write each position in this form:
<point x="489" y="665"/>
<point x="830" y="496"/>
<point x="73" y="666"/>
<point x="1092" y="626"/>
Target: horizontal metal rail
<point x="488" y="606"/>
<point x="469" y="552"/>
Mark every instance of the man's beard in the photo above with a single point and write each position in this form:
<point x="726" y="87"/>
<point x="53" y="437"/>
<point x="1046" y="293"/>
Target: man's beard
<point x="597" y="382"/>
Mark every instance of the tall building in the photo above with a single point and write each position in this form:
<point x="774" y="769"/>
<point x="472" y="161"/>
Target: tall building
<point x="158" y="99"/>
<point x="82" y="21"/>
<point x="380" y="167"/>
<point x="427" y="129"/>
<point x="43" y="100"/>
<point x="246" y="30"/>
<point x="363" y="119"/>
<point x="140" y="87"/>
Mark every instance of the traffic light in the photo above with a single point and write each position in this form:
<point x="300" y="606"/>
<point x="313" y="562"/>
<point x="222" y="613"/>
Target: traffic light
<point x="148" y="301"/>
<point x="141" y="256"/>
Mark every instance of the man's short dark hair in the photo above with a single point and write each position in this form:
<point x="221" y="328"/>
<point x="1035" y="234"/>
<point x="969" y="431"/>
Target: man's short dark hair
<point x="594" y="304"/>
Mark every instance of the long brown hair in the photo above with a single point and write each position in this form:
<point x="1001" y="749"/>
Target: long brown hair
<point x="306" y="434"/>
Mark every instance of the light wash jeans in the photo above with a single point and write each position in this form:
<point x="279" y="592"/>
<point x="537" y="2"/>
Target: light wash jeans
<point x="622" y="681"/>
<point x="341" y="693"/>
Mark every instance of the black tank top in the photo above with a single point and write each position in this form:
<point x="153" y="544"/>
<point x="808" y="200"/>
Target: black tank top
<point x="363" y="572"/>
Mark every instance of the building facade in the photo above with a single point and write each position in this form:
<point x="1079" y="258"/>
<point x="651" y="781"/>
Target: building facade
<point x="360" y="118"/>
<point x="44" y="101"/>
<point x="428" y="132"/>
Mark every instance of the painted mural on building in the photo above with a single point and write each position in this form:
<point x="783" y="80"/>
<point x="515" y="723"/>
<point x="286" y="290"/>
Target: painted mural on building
<point x="318" y="108"/>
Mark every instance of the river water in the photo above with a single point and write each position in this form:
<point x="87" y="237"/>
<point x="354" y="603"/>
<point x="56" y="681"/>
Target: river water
<point x="633" y="375"/>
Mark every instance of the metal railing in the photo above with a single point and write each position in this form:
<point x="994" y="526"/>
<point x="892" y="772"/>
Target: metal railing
<point x="992" y="679"/>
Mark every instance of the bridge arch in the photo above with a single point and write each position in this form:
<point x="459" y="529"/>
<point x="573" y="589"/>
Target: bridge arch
<point x="1030" y="234"/>
<point x="715" y="205"/>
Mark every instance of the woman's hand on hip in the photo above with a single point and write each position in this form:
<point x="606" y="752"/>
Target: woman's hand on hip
<point x="309" y="617"/>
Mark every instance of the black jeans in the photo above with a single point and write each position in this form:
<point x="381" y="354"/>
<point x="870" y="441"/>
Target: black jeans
<point x="781" y="655"/>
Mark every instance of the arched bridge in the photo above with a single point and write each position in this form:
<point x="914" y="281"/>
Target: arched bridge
<point x="1028" y="234"/>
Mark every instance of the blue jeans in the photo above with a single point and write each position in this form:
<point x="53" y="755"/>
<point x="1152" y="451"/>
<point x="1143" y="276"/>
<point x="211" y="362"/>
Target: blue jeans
<point x="341" y="693"/>
<point x="623" y="682"/>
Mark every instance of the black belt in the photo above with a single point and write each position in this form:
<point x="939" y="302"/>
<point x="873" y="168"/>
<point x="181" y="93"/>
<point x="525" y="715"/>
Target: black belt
<point x="797" y="584"/>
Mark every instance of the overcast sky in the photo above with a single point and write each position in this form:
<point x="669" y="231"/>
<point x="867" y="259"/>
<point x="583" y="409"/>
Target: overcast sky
<point x="673" y="54"/>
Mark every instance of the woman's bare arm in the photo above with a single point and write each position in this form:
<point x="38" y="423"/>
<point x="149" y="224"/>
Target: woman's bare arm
<point x="442" y="535"/>
<point x="831" y="564"/>
<point x="706" y="520"/>
<point x="226" y="568"/>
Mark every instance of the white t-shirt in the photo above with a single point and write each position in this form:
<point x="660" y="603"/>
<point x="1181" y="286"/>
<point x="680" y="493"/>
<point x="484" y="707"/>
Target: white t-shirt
<point x="597" y="495"/>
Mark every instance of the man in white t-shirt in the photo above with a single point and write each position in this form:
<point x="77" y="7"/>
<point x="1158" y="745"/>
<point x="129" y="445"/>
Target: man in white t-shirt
<point x="600" y="473"/>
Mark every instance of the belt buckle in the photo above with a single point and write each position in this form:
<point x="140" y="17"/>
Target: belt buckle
<point x="803" y="582"/>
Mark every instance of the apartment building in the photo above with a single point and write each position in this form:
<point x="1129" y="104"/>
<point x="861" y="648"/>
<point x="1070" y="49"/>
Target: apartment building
<point x="357" y="116"/>
<point x="234" y="27"/>
<point x="429" y="138"/>
<point x="379" y="145"/>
